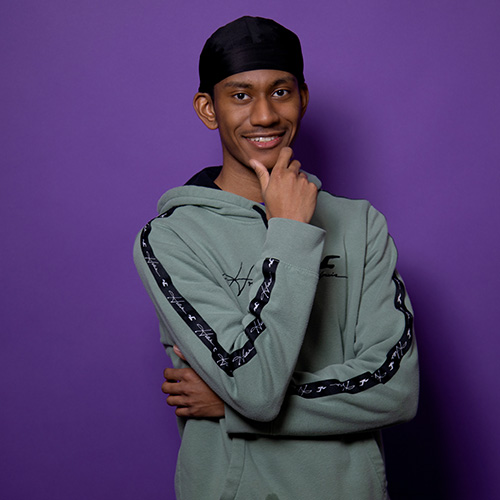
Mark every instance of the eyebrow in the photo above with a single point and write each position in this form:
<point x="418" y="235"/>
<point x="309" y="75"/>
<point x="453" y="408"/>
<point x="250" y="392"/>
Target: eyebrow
<point x="246" y="85"/>
<point x="240" y="85"/>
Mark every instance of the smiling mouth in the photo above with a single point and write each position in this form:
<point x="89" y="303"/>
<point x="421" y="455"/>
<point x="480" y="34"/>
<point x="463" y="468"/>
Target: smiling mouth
<point x="265" y="141"/>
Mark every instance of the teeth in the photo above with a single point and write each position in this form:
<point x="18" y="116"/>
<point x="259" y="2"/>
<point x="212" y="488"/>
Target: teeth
<point x="263" y="139"/>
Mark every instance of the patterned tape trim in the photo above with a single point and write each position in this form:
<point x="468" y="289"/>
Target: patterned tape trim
<point x="228" y="362"/>
<point x="367" y="380"/>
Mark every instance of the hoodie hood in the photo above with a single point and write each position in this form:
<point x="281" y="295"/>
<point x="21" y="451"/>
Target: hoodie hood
<point x="201" y="191"/>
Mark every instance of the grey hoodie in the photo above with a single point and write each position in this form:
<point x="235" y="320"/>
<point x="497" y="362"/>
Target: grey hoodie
<point x="305" y="332"/>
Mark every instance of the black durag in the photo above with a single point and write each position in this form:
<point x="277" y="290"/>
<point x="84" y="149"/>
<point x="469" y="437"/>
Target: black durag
<point x="247" y="44"/>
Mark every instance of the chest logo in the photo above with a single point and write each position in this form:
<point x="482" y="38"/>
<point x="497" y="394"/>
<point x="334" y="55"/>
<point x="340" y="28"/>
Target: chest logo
<point x="240" y="279"/>
<point x="327" y="267"/>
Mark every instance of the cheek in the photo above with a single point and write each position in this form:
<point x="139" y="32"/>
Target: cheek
<point x="226" y="135"/>
<point x="294" y="118"/>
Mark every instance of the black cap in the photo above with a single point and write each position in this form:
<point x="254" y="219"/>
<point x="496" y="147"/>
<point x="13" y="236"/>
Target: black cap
<point x="246" y="44"/>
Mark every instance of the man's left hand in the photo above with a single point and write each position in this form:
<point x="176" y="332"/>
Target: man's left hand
<point x="189" y="393"/>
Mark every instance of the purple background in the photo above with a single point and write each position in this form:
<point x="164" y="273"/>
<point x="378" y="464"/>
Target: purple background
<point x="96" y="123"/>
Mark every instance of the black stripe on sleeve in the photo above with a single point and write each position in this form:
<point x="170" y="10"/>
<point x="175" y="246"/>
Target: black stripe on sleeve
<point x="228" y="362"/>
<point x="367" y="380"/>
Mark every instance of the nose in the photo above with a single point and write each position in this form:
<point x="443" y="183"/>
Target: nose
<point x="263" y="113"/>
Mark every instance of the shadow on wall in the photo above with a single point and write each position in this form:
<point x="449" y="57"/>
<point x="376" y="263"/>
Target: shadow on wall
<point x="331" y="148"/>
<point x="416" y="453"/>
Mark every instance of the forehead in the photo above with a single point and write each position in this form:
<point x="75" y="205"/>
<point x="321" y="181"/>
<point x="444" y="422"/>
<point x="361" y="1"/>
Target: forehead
<point x="257" y="78"/>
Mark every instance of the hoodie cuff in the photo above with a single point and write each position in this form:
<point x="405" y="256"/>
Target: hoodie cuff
<point x="295" y="243"/>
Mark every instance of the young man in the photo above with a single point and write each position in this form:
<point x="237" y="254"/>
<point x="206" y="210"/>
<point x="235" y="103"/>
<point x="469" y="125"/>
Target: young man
<point x="283" y="299"/>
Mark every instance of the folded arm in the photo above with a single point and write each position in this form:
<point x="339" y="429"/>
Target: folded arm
<point x="378" y="386"/>
<point x="247" y="358"/>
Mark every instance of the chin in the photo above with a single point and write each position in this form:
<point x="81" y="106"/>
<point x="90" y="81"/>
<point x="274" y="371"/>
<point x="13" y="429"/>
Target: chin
<point x="270" y="159"/>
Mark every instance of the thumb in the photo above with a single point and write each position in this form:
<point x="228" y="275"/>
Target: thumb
<point x="179" y="353"/>
<point x="261" y="172"/>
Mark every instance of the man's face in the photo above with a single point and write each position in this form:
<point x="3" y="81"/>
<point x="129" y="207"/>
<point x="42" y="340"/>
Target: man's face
<point x="258" y="113"/>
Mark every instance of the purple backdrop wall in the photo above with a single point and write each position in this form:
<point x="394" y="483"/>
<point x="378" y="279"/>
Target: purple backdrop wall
<point x="96" y="123"/>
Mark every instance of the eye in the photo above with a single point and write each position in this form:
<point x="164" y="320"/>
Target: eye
<point x="240" y="96"/>
<point x="281" y="93"/>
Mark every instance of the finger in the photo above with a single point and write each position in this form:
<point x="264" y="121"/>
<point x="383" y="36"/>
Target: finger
<point x="171" y="388"/>
<point x="284" y="159"/>
<point x="175" y="401"/>
<point x="175" y="373"/>
<point x="295" y="167"/>
<point x="184" y="411"/>
<point x="261" y="172"/>
<point x="179" y="353"/>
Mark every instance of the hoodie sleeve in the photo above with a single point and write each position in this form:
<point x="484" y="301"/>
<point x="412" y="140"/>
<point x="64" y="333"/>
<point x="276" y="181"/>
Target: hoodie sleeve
<point x="379" y="385"/>
<point x="247" y="357"/>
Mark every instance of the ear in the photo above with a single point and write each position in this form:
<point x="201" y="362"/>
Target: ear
<point x="304" y="98"/>
<point x="204" y="107"/>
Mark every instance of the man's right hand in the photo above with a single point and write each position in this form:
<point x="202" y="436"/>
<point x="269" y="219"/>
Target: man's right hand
<point x="286" y="191"/>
